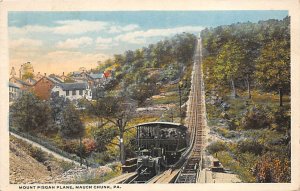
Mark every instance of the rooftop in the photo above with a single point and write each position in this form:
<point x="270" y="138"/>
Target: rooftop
<point x="73" y="86"/>
<point x="162" y="123"/>
<point x="13" y="85"/>
<point x="95" y="76"/>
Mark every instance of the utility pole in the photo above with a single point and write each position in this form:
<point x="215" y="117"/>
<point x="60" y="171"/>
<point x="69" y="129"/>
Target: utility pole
<point x="180" y="85"/>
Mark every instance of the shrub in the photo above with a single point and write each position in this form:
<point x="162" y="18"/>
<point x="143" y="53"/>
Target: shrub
<point x="271" y="168"/>
<point x="229" y="162"/>
<point x="233" y="124"/>
<point x="216" y="147"/>
<point x="226" y="133"/>
<point x="66" y="165"/>
<point x="256" y="117"/>
<point x="89" y="145"/>
<point x="38" y="154"/>
<point x="280" y="119"/>
<point x="249" y="146"/>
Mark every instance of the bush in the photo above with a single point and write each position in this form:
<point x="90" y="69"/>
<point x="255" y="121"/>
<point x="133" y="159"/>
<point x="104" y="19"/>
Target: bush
<point x="89" y="145"/>
<point x="250" y="146"/>
<point x="229" y="162"/>
<point x="216" y="147"/>
<point x="66" y="165"/>
<point x="280" y="119"/>
<point x="226" y="133"/>
<point x="271" y="168"/>
<point x="38" y="154"/>
<point x="233" y="124"/>
<point x="256" y="117"/>
<point x="71" y="146"/>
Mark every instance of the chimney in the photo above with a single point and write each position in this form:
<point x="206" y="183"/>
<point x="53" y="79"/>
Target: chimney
<point x="20" y="72"/>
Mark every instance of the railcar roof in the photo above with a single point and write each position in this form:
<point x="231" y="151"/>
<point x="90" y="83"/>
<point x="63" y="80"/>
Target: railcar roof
<point x="176" y="125"/>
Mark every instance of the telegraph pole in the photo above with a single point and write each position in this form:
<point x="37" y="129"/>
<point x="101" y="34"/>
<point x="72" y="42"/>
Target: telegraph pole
<point x="180" y="85"/>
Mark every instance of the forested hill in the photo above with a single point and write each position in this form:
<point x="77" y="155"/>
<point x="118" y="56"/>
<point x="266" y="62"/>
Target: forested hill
<point x="246" y="70"/>
<point x="249" y="55"/>
<point x="138" y="73"/>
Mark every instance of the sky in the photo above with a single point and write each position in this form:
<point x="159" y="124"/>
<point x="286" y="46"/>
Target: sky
<point x="56" y="42"/>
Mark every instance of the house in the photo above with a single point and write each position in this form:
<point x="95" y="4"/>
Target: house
<point x="56" y="79"/>
<point x="80" y="75"/>
<point x="73" y="91"/>
<point x="95" y="79"/>
<point x="20" y="83"/>
<point x="42" y="88"/>
<point x="14" y="91"/>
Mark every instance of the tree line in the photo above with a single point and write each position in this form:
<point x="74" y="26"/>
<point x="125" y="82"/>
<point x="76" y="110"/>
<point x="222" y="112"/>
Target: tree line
<point x="249" y="55"/>
<point x="140" y="73"/>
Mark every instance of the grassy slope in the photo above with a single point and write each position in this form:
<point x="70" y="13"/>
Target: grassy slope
<point x="243" y="163"/>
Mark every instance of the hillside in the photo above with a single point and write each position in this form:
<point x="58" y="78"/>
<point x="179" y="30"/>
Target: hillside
<point x="30" y="165"/>
<point x="247" y="82"/>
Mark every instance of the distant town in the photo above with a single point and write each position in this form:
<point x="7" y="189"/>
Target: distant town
<point x="74" y="85"/>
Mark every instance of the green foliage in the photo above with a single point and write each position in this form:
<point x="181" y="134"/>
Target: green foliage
<point x="216" y="147"/>
<point x="256" y="117"/>
<point x="30" y="114"/>
<point x="57" y="104"/>
<point x="118" y="111"/>
<point x="228" y="60"/>
<point x="227" y="160"/>
<point x="103" y="137"/>
<point x="261" y="52"/>
<point x="259" y="116"/>
<point x="249" y="145"/>
<point x="226" y="133"/>
<point x="273" y="67"/>
<point x="251" y="54"/>
<point x="71" y="126"/>
<point x="280" y="119"/>
<point x="38" y="154"/>
<point x="27" y="75"/>
<point x="141" y="92"/>
<point x="66" y="165"/>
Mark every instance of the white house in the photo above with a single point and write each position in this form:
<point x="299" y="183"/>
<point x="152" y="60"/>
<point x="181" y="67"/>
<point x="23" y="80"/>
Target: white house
<point x="14" y="91"/>
<point x="73" y="91"/>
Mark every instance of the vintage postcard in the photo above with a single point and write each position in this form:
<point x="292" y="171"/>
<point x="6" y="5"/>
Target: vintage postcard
<point x="124" y="95"/>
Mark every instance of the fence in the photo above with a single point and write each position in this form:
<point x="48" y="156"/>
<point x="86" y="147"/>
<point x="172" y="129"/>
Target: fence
<point x="49" y="146"/>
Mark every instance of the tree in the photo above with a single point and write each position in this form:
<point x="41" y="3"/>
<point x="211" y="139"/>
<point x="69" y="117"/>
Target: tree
<point x="273" y="67"/>
<point x="141" y="92"/>
<point x="104" y="136"/>
<point x="57" y="104"/>
<point x="29" y="113"/>
<point x="227" y="63"/>
<point x="118" y="111"/>
<point x="71" y="126"/>
<point x="27" y="70"/>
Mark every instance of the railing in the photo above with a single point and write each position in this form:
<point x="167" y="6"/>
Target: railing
<point x="49" y="146"/>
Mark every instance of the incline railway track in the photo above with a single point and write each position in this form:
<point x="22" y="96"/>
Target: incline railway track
<point x="187" y="169"/>
<point x="196" y="122"/>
